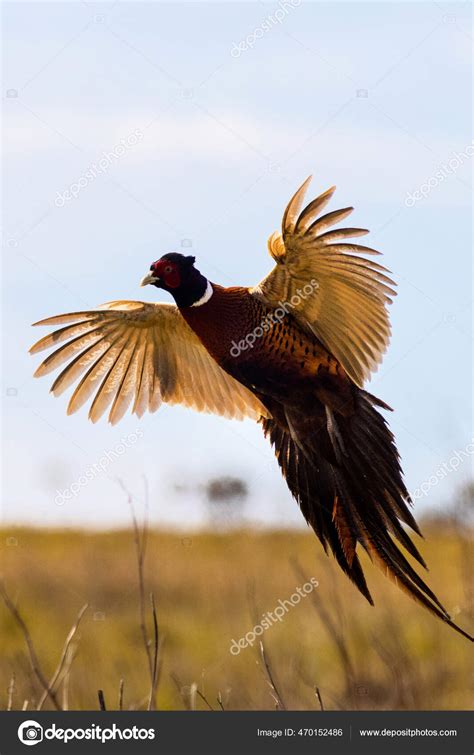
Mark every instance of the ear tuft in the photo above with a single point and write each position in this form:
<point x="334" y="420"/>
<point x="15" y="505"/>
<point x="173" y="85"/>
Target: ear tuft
<point x="190" y="260"/>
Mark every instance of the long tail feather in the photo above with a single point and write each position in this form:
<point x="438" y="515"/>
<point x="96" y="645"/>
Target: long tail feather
<point x="344" y="471"/>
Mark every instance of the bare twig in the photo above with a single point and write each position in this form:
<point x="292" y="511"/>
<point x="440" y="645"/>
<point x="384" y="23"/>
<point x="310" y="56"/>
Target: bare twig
<point x="71" y="653"/>
<point x="219" y="700"/>
<point x="120" y="695"/>
<point x="318" y="695"/>
<point x="270" y="681"/>
<point x="161" y="643"/>
<point x="59" y="668"/>
<point x="154" y="676"/>
<point x="25" y="705"/>
<point x="254" y="613"/>
<point x="35" y="664"/>
<point x="140" y="538"/>
<point x="205" y="699"/>
<point x="11" y="690"/>
<point x="100" y="695"/>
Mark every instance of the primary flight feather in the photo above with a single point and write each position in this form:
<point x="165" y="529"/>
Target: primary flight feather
<point x="293" y="353"/>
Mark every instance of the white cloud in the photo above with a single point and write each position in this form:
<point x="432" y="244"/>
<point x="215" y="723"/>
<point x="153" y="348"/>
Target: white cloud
<point x="361" y="140"/>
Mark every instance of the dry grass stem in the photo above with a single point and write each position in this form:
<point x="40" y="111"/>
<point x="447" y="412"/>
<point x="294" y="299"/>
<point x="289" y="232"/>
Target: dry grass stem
<point x="318" y="695"/>
<point x="35" y="664"/>
<point x="270" y="680"/>
<point x="11" y="690"/>
<point x="100" y="695"/>
<point x="62" y="660"/>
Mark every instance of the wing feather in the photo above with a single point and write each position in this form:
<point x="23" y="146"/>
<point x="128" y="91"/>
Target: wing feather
<point x="110" y="383"/>
<point x="74" y="369"/>
<point x="69" y="331"/>
<point x="290" y="215"/>
<point x="126" y="390"/>
<point x="347" y="308"/>
<point x="131" y="353"/>
<point x="66" y="351"/>
<point x="342" y="233"/>
<point x="141" y="393"/>
<point x="313" y="209"/>
<point x="326" y="221"/>
<point x="92" y="378"/>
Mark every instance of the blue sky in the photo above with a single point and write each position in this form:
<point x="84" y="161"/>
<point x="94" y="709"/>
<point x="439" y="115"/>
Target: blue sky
<point x="374" y="97"/>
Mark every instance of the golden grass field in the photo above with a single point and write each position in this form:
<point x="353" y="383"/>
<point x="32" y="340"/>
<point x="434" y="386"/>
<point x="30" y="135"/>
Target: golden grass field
<point x="208" y="587"/>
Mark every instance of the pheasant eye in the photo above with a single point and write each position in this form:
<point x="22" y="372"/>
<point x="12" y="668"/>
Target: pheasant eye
<point x="168" y="269"/>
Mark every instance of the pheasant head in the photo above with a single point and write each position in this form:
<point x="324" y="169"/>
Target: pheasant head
<point x="176" y="274"/>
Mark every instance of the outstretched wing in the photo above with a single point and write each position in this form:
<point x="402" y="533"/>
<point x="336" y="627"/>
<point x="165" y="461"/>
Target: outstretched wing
<point x="128" y="351"/>
<point x="338" y="295"/>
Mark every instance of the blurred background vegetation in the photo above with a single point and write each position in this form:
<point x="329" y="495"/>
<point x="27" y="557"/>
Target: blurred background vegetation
<point x="210" y="587"/>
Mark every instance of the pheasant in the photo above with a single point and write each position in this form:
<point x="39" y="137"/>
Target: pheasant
<point x="293" y="353"/>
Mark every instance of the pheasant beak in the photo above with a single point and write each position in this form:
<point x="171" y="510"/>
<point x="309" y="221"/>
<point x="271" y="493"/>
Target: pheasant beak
<point x="149" y="279"/>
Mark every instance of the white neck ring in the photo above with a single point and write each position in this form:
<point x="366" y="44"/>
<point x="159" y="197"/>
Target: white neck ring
<point x="205" y="297"/>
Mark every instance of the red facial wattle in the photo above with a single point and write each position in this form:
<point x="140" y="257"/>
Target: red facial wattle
<point x="168" y="272"/>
